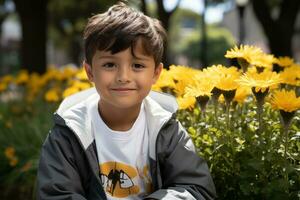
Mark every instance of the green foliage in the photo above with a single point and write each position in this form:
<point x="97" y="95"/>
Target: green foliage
<point x="24" y="128"/>
<point x="188" y="40"/>
<point x="218" y="41"/>
<point x="244" y="163"/>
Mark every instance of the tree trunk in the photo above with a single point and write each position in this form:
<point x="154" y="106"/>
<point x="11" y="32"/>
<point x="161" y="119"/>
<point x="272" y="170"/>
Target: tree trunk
<point x="33" y="16"/>
<point x="164" y="16"/>
<point x="144" y="7"/>
<point x="203" y="44"/>
<point x="278" y="31"/>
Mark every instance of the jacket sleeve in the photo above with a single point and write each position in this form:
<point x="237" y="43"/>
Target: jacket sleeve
<point x="58" y="176"/>
<point x="184" y="175"/>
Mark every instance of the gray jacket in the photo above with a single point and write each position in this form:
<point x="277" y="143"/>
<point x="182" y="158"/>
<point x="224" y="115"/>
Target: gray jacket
<point x="69" y="169"/>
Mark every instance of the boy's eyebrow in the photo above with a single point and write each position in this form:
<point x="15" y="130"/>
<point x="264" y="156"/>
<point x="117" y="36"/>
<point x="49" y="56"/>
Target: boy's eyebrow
<point x="144" y="58"/>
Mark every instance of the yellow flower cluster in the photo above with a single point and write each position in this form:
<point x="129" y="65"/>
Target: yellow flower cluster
<point x="190" y="84"/>
<point x="53" y="86"/>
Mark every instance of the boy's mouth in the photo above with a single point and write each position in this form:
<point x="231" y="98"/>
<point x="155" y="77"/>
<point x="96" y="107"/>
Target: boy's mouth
<point x="123" y="89"/>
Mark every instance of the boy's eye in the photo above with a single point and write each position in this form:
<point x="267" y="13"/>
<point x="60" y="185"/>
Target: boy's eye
<point x="138" y="66"/>
<point x="109" y="65"/>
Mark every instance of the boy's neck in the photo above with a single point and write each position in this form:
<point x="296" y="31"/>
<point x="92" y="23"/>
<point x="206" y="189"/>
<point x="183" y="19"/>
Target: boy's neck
<point x="118" y="119"/>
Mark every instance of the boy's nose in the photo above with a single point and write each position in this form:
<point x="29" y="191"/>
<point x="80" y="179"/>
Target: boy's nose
<point x="123" y="75"/>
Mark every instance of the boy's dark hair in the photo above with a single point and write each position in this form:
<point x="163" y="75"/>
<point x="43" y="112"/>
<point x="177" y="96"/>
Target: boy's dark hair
<point x="119" y="28"/>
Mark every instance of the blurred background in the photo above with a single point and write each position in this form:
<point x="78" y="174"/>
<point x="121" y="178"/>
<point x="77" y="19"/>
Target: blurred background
<point x="36" y="34"/>
<point x="40" y="64"/>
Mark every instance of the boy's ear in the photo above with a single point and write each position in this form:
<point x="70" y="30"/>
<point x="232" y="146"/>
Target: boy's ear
<point x="88" y="71"/>
<point x="157" y="72"/>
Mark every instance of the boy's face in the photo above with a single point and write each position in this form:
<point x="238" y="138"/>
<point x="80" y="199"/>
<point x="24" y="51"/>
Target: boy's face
<point x="122" y="80"/>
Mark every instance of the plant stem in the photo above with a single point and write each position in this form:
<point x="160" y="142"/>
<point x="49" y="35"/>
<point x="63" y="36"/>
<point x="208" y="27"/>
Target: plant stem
<point x="286" y="174"/>
<point x="259" y="115"/>
<point x="215" y="102"/>
<point x="228" y="115"/>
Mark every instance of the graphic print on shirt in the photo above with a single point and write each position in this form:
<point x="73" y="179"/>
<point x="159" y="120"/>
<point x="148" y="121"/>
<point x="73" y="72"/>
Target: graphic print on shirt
<point x="119" y="179"/>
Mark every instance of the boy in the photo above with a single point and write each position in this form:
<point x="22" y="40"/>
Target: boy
<point x="119" y="140"/>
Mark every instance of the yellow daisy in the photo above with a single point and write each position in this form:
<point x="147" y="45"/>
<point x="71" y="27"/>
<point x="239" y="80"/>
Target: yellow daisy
<point x="81" y="75"/>
<point x="199" y="88"/>
<point x="69" y="91"/>
<point x="68" y="71"/>
<point x="223" y="77"/>
<point x="165" y="80"/>
<point x="241" y="94"/>
<point x="263" y="61"/>
<point x="260" y="81"/>
<point x="284" y="61"/>
<point x="186" y="102"/>
<point x="245" y="52"/>
<point x="291" y="75"/>
<point x="22" y="77"/>
<point x="179" y="88"/>
<point x="182" y="73"/>
<point x="52" y="95"/>
<point x="285" y="100"/>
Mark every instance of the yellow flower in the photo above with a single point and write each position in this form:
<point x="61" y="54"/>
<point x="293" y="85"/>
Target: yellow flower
<point x="186" y="102"/>
<point x="263" y="60"/>
<point x="241" y="94"/>
<point x="81" y="75"/>
<point x="245" y="52"/>
<point x="260" y="81"/>
<point x="22" y="77"/>
<point x="3" y="87"/>
<point x="52" y="74"/>
<point x="165" y="80"/>
<point x="179" y="88"/>
<point x="291" y="75"/>
<point x="69" y="91"/>
<point x="200" y="87"/>
<point x="285" y="100"/>
<point x="81" y="85"/>
<point x="13" y="161"/>
<point x="68" y="72"/>
<point x="9" y="152"/>
<point x="52" y="95"/>
<point x="227" y="83"/>
<point x="223" y="77"/>
<point x="7" y="79"/>
<point x="182" y="73"/>
<point x="284" y="61"/>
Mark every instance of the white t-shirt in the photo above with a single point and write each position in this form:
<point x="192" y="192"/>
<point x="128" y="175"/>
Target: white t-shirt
<point x="123" y="158"/>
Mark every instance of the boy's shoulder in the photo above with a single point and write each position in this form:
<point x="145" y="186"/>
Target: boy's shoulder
<point x="162" y="100"/>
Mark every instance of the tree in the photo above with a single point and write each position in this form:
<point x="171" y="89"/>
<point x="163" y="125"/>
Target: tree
<point x="33" y="16"/>
<point x="3" y="14"/>
<point x="68" y="18"/>
<point x="164" y="16"/>
<point x="279" y="30"/>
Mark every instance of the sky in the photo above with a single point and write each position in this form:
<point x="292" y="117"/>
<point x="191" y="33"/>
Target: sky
<point x="212" y="14"/>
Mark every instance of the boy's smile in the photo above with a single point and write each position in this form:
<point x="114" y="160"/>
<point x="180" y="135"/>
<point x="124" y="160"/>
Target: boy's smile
<point x="123" y="80"/>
